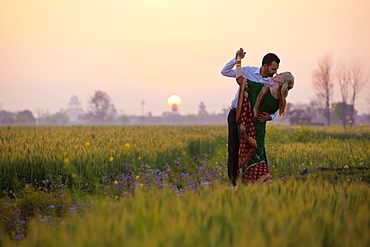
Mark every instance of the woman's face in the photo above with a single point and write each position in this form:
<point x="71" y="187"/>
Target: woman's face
<point x="279" y="78"/>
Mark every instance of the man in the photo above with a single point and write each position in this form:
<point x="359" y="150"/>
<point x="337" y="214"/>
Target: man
<point x="263" y="74"/>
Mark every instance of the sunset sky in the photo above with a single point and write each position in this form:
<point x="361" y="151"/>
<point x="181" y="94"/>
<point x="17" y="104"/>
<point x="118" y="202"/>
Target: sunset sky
<point x="147" y="50"/>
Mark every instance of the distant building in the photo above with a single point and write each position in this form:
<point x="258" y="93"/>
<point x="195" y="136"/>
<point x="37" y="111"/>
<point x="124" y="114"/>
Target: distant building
<point x="74" y="110"/>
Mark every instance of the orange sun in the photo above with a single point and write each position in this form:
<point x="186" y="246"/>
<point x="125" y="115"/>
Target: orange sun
<point x="174" y="102"/>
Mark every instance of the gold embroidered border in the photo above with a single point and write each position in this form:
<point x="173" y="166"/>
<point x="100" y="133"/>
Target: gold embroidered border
<point x="260" y="97"/>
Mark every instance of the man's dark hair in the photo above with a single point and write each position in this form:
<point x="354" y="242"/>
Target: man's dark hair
<point x="269" y="58"/>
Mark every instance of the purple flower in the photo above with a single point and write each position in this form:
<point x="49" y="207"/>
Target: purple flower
<point x="19" y="236"/>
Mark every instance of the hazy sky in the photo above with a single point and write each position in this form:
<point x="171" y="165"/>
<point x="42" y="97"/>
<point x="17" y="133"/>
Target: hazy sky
<point x="147" y="50"/>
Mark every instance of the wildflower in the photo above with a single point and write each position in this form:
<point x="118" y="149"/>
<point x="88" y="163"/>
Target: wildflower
<point x="110" y="159"/>
<point x="139" y="158"/>
<point x="116" y="197"/>
<point x="66" y="160"/>
<point x="19" y="236"/>
<point x="127" y="146"/>
<point x="115" y="182"/>
<point x="87" y="144"/>
<point x="137" y="177"/>
<point x="349" y="180"/>
<point x="346" y="166"/>
<point x="350" y="121"/>
<point x="335" y="106"/>
<point x="183" y="152"/>
<point x="332" y="130"/>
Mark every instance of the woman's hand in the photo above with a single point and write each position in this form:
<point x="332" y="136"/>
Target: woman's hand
<point x="240" y="54"/>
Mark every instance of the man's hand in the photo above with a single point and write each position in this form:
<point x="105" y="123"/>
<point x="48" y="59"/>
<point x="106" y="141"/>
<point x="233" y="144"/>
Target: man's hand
<point x="263" y="116"/>
<point x="240" y="54"/>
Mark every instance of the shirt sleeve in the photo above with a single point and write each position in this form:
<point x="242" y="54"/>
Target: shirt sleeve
<point x="228" y="69"/>
<point x="274" y="115"/>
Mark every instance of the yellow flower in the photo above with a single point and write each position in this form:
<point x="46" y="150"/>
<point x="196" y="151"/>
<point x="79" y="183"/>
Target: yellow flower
<point x="355" y="157"/>
<point x="349" y="180"/>
<point x="227" y="144"/>
<point x="346" y="166"/>
<point x="350" y="121"/>
<point x="116" y="197"/>
<point x="110" y="159"/>
<point x="360" y="125"/>
<point x="127" y="146"/>
<point x="183" y="152"/>
<point x="87" y="144"/>
<point x="335" y="106"/>
<point x="332" y="130"/>
<point x="115" y="182"/>
<point x="137" y="177"/>
<point x="66" y="160"/>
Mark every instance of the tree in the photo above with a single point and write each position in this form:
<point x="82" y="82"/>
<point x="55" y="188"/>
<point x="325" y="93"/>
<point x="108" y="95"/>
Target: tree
<point x="7" y="117"/>
<point x="100" y="106"/>
<point x="25" y="117"/>
<point x="357" y="80"/>
<point x="58" y="118"/>
<point x="322" y="83"/>
<point x="202" y="110"/>
<point x="351" y="80"/>
<point x="342" y="75"/>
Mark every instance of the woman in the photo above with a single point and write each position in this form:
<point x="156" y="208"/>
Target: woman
<point x="255" y="98"/>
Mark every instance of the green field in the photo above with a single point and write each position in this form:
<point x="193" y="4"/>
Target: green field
<point x="167" y="186"/>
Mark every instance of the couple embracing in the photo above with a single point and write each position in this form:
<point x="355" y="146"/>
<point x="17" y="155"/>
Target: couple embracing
<point x="260" y="97"/>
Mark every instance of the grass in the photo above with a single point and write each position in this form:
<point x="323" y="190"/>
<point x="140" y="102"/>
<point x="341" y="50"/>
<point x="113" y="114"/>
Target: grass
<point x="167" y="185"/>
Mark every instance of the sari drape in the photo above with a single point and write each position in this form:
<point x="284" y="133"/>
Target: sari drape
<point x="248" y="106"/>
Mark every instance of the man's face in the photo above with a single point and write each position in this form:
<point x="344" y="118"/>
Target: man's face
<point x="272" y="69"/>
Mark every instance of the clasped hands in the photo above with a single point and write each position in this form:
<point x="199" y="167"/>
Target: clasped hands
<point x="240" y="54"/>
<point x="263" y="116"/>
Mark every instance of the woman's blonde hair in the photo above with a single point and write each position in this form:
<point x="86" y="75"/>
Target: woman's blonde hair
<point x="286" y="86"/>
